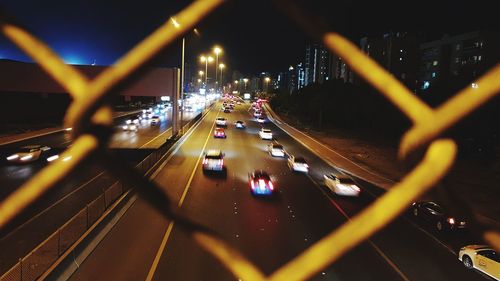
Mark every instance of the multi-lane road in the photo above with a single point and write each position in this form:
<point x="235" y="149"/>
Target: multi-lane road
<point x="144" y="245"/>
<point x="42" y="218"/>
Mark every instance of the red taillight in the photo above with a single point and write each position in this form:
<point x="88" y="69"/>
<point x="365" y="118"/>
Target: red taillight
<point x="451" y="220"/>
<point x="271" y="185"/>
<point x="205" y="161"/>
<point x="221" y="162"/>
<point x="252" y="184"/>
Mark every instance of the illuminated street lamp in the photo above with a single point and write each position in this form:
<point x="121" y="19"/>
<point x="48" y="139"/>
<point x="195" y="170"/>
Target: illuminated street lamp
<point x="206" y="60"/>
<point x="217" y="51"/>
<point x="221" y="66"/>
<point x="267" y="80"/>
<point x="245" y="80"/>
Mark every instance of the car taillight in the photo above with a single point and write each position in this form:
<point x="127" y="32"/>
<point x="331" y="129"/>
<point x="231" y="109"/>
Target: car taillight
<point x="221" y="162"/>
<point x="451" y="220"/>
<point x="271" y="185"/>
<point x="252" y="184"/>
<point x="355" y="187"/>
<point x="205" y="161"/>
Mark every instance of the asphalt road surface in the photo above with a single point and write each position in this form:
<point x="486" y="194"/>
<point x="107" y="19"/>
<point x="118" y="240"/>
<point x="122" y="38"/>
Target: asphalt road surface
<point x="144" y="245"/>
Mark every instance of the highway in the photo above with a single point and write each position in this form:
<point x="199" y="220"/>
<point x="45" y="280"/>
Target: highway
<point x="47" y="214"/>
<point x="144" y="245"/>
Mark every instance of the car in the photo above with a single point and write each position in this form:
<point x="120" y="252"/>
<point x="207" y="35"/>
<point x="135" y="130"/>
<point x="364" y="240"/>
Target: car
<point x="341" y="184"/>
<point x="220" y="121"/>
<point x="155" y="120"/>
<point x="276" y="150"/>
<point x="261" y="183"/>
<point x="437" y="216"/>
<point x="219" y="133"/>
<point x="257" y="113"/>
<point x="261" y="119"/>
<point x="239" y="124"/>
<point x="227" y="110"/>
<point x="130" y="127"/>
<point x="481" y="257"/>
<point x="213" y="160"/>
<point x="28" y="153"/>
<point x="265" y="134"/>
<point x="298" y="164"/>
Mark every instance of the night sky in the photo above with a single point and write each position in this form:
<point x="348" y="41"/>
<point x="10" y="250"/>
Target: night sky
<point x="254" y="34"/>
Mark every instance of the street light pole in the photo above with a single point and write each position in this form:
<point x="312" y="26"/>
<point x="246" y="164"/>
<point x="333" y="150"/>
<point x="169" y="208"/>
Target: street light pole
<point x="221" y="66"/>
<point x="182" y="84"/>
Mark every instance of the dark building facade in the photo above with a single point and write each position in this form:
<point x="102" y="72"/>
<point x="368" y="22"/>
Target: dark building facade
<point x="397" y="52"/>
<point x="461" y="58"/>
<point x="316" y="64"/>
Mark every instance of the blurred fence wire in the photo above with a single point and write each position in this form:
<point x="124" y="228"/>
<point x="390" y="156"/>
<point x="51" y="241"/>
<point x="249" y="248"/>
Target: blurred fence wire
<point x="91" y="120"/>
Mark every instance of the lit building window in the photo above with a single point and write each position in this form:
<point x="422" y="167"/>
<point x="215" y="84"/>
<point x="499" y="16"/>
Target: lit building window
<point x="479" y="58"/>
<point x="400" y="59"/>
<point x="435" y="63"/>
<point x="434" y="75"/>
<point x="426" y="85"/>
<point x="457" y="47"/>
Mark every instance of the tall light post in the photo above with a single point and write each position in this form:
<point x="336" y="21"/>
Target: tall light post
<point x="217" y="51"/>
<point x="266" y="80"/>
<point x="245" y="80"/>
<point x="221" y="66"/>
<point x="206" y="60"/>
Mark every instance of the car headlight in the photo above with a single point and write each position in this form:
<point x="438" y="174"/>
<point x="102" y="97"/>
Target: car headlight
<point x="13" y="157"/>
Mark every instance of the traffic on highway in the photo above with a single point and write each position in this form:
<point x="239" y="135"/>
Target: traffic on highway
<point x="271" y="198"/>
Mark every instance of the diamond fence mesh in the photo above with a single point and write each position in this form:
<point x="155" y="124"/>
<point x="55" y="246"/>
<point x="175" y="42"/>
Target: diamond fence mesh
<point x="91" y="120"/>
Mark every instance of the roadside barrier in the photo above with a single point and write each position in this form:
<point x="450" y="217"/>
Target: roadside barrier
<point x="90" y="119"/>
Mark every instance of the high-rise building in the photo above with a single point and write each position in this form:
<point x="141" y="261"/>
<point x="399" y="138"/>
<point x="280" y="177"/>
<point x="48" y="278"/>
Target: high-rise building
<point x="301" y="76"/>
<point x="339" y="69"/>
<point x="461" y="58"/>
<point x="316" y="64"/>
<point x="255" y="84"/>
<point x="397" y="52"/>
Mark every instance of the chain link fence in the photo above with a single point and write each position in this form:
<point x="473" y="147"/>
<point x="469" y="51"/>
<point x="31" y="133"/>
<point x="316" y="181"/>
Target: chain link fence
<point x="91" y="120"/>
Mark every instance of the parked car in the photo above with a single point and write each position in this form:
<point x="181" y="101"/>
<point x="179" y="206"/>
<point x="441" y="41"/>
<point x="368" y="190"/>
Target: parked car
<point x="482" y="258"/>
<point x="341" y="184"/>
<point x="437" y="216"/>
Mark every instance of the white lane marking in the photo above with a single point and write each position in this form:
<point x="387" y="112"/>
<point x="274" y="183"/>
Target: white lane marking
<point x="164" y="241"/>
<point x="164" y="132"/>
<point x="377" y="249"/>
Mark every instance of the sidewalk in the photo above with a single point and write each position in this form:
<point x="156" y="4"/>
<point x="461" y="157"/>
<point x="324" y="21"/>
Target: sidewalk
<point x="477" y="183"/>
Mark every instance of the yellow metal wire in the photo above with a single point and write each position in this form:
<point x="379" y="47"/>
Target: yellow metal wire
<point x="87" y="106"/>
<point x="67" y="76"/>
<point x="456" y="108"/>
<point x="46" y="178"/>
<point x="138" y="56"/>
<point x="434" y="166"/>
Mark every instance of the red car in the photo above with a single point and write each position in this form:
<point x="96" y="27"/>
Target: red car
<point x="219" y="133"/>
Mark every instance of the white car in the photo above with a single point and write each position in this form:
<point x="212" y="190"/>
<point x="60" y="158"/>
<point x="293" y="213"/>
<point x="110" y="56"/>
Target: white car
<point x="265" y="134"/>
<point x="28" y="154"/>
<point x="482" y="258"/>
<point x="155" y="120"/>
<point x="298" y="164"/>
<point x="213" y="160"/>
<point x="130" y="127"/>
<point x="257" y="113"/>
<point x="341" y="185"/>
<point x="261" y="119"/>
<point x="276" y="150"/>
<point x="220" y="121"/>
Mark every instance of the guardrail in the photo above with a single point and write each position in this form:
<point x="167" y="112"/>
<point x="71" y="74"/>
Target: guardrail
<point x="90" y="119"/>
<point x="44" y="255"/>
